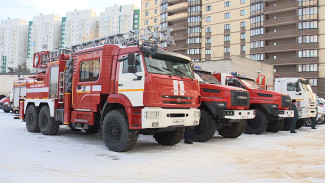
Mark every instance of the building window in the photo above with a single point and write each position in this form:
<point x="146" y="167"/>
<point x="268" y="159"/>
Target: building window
<point x="307" y="68"/>
<point x="227" y="38"/>
<point x="208" y="8"/>
<point x="227" y="15"/>
<point x="194" y="19"/>
<point x="242" y="24"/>
<point x="256" y="32"/>
<point x="156" y="2"/>
<point x="208" y="40"/>
<point x="146" y="22"/>
<point x="227" y="4"/>
<point x="307" y="53"/>
<point x="307" y="25"/>
<point x="208" y="19"/>
<point x="208" y="29"/>
<point x="147" y="5"/>
<point x="242" y="1"/>
<point x="313" y="82"/>
<point x="242" y="36"/>
<point x="227" y="26"/>
<point x="156" y="20"/>
<point x="243" y="48"/>
<point x="193" y="51"/>
<point x="257" y="57"/>
<point x="308" y="39"/>
<point x="193" y="30"/>
<point x="193" y="40"/>
<point x="208" y="52"/>
<point x="242" y="12"/>
<point x="156" y="11"/>
<point x="227" y="49"/>
<point x="146" y="13"/>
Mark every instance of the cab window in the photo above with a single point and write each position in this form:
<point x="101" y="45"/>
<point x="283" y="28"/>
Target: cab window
<point x="89" y="70"/>
<point x="137" y="64"/>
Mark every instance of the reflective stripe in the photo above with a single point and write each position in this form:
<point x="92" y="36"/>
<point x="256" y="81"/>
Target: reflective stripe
<point x="126" y="90"/>
<point x="37" y="90"/>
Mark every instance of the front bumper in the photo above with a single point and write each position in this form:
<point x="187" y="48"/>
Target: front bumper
<point x="156" y="117"/>
<point x="307" y="113"/>
<point x="286" y="113"/>
<point x="239" y="114"/>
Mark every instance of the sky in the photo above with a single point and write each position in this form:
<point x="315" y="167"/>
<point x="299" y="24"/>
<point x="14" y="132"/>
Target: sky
<point x="26" y="9"/>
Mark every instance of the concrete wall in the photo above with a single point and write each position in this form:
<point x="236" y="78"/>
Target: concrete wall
<point x="7" y="80"/>
<point x="243" y="66"/>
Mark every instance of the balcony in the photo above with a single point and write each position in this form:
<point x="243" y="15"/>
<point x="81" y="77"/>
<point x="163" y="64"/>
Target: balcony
<point x="282" y="61"/>
<point x="281" y="21"/>
<point x="281" y="34"/>
<point x="281" y="48"/>
<point x="177" y="7"/>
<point x="174" y="1"/>
<point x="176" y="17"/>
<point x="281" y="7"/>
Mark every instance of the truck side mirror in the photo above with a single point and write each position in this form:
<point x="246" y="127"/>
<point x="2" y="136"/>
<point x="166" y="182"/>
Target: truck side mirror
<point x="131" y="59"/>
<point x="132" y="69"/>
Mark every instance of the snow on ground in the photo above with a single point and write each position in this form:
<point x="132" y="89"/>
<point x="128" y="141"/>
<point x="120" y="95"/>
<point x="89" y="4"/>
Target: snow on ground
<point x="76" y="157"/>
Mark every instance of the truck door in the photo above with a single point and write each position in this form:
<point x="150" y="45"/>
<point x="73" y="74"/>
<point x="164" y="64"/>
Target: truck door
<point x="84" y="80"/>
<point x="131" y="84"/>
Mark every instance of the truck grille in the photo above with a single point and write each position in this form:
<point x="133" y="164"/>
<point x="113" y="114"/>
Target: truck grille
<point x="285" y="101"/>
<point x="239" y="98"/>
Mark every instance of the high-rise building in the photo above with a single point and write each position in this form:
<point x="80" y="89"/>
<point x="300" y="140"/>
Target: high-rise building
<point x="12" y="43"/>
<point x="118" y="19"/>
<point x="79" y="26"/>
<point x="202" y="29"/>
<point x="288" y="34"/>
<point x="285" y="33"/>
<point x="43" y="35"/>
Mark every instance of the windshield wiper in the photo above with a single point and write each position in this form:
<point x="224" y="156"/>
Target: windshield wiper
<point x="157" y="68"/>
<point x="177" y="70"/>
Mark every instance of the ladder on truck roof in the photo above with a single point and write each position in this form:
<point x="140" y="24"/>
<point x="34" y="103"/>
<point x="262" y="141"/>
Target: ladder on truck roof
<point x="150" y="35"/>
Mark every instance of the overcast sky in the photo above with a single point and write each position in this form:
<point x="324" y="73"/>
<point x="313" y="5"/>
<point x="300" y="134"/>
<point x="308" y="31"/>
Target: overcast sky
<point x="26" y="9"/>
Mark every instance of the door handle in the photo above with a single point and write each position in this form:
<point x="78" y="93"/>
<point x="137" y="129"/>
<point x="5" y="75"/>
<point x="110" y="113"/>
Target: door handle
<point x="120" y="84"/>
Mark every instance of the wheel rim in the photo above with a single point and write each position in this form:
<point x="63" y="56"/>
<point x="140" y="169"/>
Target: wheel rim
<point x="115" y="131"/>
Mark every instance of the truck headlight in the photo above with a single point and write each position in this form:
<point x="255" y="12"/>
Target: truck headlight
<point x="197" y="114"/>
<point x="152" y="114"/>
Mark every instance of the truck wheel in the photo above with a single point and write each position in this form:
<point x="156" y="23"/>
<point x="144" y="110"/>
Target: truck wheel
<point x="116" y="133"/>
<point x="170" y="138"/>
<point x="32" y="119"/>
<point x="6" y="110"/>
<point x="206" y="128"/>
<point x="47" y="124"/>
<point x="308" y="122"/>
<point x="257" y="125"/>
<point x="275" y="125"/>
<point x="232" y="129"/>
<point x="286" y="124"/>
<point x="300" y="123"/>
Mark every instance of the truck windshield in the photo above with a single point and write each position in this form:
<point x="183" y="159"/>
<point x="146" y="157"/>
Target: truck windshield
<point x="168" y="65"/>
<point x="207" y="78"/>
<point x="251" y="84"/>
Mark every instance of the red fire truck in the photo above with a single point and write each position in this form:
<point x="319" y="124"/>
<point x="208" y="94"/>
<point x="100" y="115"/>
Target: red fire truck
<point x="223" y="108"/>
<point x="116" y="84"/>
<point x="271" y="107"/>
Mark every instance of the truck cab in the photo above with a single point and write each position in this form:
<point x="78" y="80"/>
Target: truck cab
<point x="299" y="89"/>
<point x="223" y="108"/>
<point x="271" y="107"/>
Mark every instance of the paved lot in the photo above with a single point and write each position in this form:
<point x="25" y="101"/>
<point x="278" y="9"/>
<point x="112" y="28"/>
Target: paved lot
<point x="76" y="157"/>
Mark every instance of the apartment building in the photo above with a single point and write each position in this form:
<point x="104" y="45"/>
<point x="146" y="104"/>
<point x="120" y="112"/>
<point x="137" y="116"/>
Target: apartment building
<point x="12" y="43"/>
<point x="202" y="29"/>
<point x="288" y="34"/>
<point x="118" y="19"/>
<point x="43" y="35"/>
<point x="79" y="26"/>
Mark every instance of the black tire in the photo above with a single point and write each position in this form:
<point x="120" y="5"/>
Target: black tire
<point x="275" y="125"/>
<point x="232" y="129"/>
<point x="170" y="138"/>
<point x="286" y="124"/>
<point x="116" y="133"/>
<point x="31" y="118"/>
<point x="6" y="110"/>
<point x="257" y="125"/>
<point x="308" y="122"/>
<point x="206" y="128"/>
<point x="47" y="124"/>
<point x="300" y="123"/>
